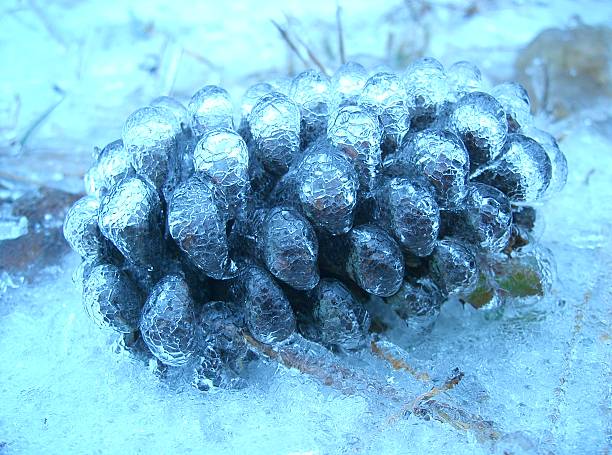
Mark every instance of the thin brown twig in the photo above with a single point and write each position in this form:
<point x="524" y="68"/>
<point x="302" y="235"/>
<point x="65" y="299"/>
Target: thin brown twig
<point x="312" y="56"/>
<point x="285" y="36"/>
<point x="314" y="361"/>
<point x="425" y="407"/>
<point x="38" y="121"/>
<point x="200" y="58"/>
<point x="340" y="34"/>
<point x="411" y="407"/>
<point x="397" y="363"/>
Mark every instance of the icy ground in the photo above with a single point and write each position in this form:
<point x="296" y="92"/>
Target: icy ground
<point x="540" y="374"/>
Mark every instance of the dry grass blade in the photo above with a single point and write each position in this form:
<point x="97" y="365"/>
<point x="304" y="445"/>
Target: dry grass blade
<point x="340" y="35"/>
<point x="285" y="36"/>
<point x="425" y="407"/>
<point x="312" y="56"/>
<point x="484" y="430"/>
<point x="395" y="357"/>
<point x="318" y="363"/>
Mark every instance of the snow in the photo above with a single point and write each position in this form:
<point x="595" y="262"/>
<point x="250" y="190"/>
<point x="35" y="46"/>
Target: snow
<point x="540" y="372"/>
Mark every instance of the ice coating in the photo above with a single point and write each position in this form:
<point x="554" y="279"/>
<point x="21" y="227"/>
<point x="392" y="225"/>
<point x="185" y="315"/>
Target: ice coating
<point x="311" y="91"/>
<point x="329" y="206"/>
<point x="418" y="304"/>
<point x="179" y="111"/>
<point x="222" y="155"/>
<point x="375" y="261"/>
<point x="346" y="84"/>
<point x="222" y="350"/>
<point x="528" y="272"/>
<point x="210" y="107"/>
<point x="269" y="315"/>
<point x="463" y="78"/>
<point x="522" y="171"/>
<point x="197" y="224"/>
<point x="150" y="140"/>
<point x="211" y="371"/>
<point x="480" y="122"/>
<point x="385" y="95"/>
<point x="516" y="104"/>
<point x="81" y="229"/>
<point x="327" y="186"/>
<point x="426" y="90"/>
<point x="111" y="166"/>
<point x="281" y="84"/>
<point x="410" y="213"/>
<point x="341" y="321"/>
<point x="357" y="132"/>
<point x="488" y="217"/>
<point x="130" y="217"/>
<point x="290" y="248"/>
<point x="453" y="267"/>
<point x="275" y="126"/>
<point x="111" y="299"/>
<point x="558" y="162"/>
<point x="167" y="324"/>
<point x="440" y="157"/>
<point x="219" y="326"/>
<point x="252" y="96"/>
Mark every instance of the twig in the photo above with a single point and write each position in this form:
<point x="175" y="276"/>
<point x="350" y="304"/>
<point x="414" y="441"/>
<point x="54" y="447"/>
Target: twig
<point x="340" y="34"/>
<point x="312" y="56"/>
<point x="384" y="351"/>
<point x="425" y="407"/>
<point x="200" y="58"/>
<point x="37" y="122"/>
<point x="318" y="363"/>
<point x="484" y="430"/>
<point x="290" y="42"/>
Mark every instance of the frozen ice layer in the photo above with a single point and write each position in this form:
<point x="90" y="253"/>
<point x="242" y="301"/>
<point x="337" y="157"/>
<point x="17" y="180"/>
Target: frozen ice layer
<point x="480" y="122"/>
<point x="418" y="304"/>
<point x="130" y="216"/>
<point x="290" y="248"/>
<point x="384" y="94"/>
<point x="347" y="83"/>
<point x="168" y="321"/>
<point x="81" y="228"/>
<point x="197" y="224"/>
<point x="222" y="155"/>
<point x="516" y="103"/>
<point x="558" y="162"/>
<point x="486" y="220"/>
<point x="410" y="213"/>
<point x="275" y="126"/>
<point x="111" y="299"/>
<point x="290" y="242"/>
<point x="440" y="158"/>
<point x="427" y="90"/>
<point x="111" y="166"/>
<point x="150" y="140"/>
<point x="311" y="91"/>
<point x="453" y="267"/>
<point x="357" y="132"/>
<point x="211" y="107"/>
<point x="374" y="260"/>
<point x="463" y="78"/>
<point x="522" y="170"/>
<point x="269" y="315"/>
<point x="340" y="319"/>
<point x="327" y="186"/>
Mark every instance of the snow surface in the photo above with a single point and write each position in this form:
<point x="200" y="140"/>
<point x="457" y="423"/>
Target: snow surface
<point x="541" y="371"/>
